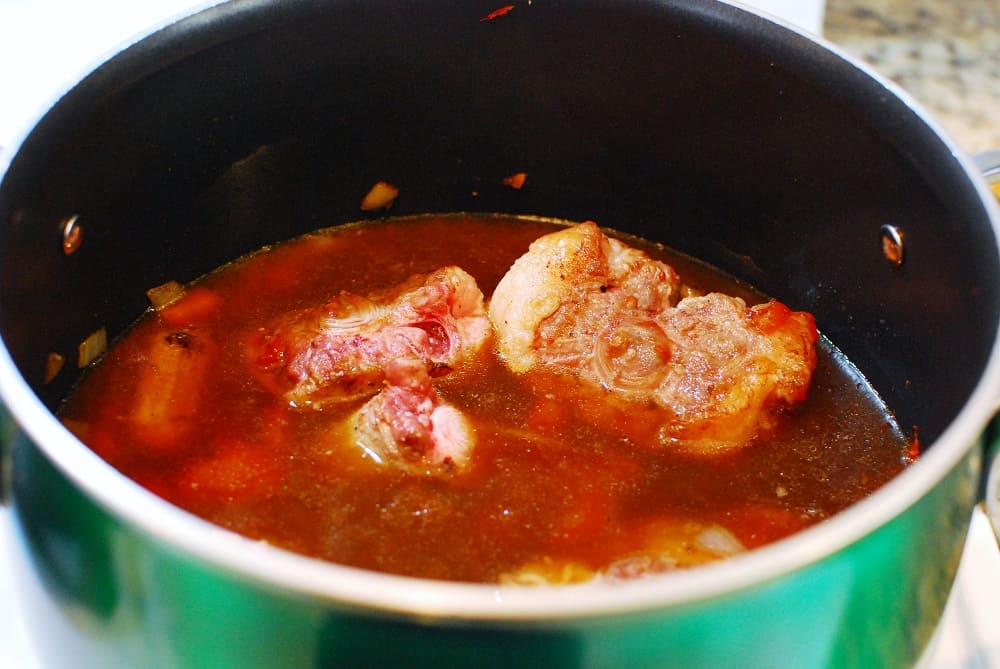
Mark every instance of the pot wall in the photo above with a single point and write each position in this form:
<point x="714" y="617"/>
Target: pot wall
<point x="103" y="595"/>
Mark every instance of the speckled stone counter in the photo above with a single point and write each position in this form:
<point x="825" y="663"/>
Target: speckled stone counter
<point x="945" y="53"/>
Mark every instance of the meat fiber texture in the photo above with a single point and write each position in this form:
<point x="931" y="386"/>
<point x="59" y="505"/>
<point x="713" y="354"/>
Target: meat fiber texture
<point x="703" y="373"/>
<point x="385" y="347"/>
<point x="594" y="322"/>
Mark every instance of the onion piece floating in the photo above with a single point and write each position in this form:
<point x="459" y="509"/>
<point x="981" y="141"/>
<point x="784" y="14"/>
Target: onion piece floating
<point x="92" y="348"/>
<point x="53" y="365"/>
<point x="718" y="539"/>
<point x="381" y="196"/>
<point x="165" y="294"/>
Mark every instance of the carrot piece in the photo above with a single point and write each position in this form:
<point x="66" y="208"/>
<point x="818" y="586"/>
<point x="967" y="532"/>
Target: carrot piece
<point x="769" y="317"/>
<point x="198" y="306"/>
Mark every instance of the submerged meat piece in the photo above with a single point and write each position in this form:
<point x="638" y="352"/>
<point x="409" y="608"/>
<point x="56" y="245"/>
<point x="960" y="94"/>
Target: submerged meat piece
<point x="669" y="544"/>
<point x="715" y="371"/>
<point x="658" y="546"/>
<point x="408" y="425"/>
<point x="340" y="351"/>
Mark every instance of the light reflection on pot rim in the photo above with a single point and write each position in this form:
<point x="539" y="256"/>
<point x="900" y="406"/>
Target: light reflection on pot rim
<point x="442" y="601"/>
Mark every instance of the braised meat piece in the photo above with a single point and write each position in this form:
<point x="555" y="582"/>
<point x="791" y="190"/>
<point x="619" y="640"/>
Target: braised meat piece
<point x="340" y="352"/>
<point x="385" y="347"/>
<point x="712" y="370"/>
<point x="557" y="299"/>
<point x="408" y="424"/>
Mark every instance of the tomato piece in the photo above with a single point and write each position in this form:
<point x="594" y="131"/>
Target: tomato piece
<point x="773" y="316"/>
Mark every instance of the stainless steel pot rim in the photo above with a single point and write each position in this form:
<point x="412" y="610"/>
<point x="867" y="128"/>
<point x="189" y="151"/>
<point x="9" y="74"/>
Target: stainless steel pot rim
<point x="421" y="599"/>
<point x="988" y="162"/>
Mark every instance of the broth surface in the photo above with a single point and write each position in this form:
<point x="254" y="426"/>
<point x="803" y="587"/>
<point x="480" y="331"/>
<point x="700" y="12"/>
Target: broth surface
<point x="560" y="502"/>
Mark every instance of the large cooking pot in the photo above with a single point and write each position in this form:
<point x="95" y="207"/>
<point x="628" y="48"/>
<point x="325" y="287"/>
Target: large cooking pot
<point x="694" y="123"/>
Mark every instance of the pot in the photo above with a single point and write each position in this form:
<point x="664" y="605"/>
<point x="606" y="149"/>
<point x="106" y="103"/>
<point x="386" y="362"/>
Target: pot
<point x="699" y="124"/>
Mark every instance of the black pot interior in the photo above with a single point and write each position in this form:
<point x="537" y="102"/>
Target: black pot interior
<point x="691" y="123"/>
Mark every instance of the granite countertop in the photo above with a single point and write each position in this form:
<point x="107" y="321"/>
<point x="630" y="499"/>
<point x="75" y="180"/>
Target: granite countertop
<point x="945" y="53"/>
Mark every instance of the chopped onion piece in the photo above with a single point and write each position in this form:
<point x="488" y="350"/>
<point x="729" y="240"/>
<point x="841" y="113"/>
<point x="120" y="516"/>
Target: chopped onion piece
<point x="92" y="348"/>
<point x="381" y="196"/>
<point x="72" y="235"/>
<point x="721" y="541"/>
<point x="53" y="365"/>
<point x="548" y="572"/>
<point x="165" y="294"/>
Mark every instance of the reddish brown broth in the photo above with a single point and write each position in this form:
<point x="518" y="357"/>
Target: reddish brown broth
<point x="248" y="462"/>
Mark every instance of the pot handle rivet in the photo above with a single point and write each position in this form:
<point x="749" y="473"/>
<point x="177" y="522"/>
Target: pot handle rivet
<point x="892" y="244"/>
<point x="72" y="234"/>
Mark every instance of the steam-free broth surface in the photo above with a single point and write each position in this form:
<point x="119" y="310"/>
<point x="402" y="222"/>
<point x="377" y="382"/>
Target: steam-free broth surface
<point x="178" y="406"/>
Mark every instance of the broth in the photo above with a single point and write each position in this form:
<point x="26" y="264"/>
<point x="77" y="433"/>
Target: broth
<point x="539" y="500"/>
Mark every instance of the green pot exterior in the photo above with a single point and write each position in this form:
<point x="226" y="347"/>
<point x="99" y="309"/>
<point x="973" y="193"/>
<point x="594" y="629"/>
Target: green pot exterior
<point x="99" y="593"/>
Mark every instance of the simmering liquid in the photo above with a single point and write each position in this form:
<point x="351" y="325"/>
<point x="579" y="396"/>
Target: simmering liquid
<point x="176" y="406"/>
